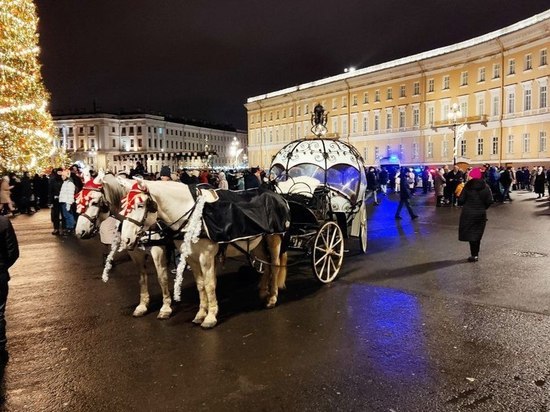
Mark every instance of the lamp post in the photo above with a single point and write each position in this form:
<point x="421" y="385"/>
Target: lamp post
<point x="454" y="114"/>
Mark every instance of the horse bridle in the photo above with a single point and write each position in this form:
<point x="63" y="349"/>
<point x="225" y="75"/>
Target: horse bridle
<point x="103" y="206"/>
<point x="152" y="207"/>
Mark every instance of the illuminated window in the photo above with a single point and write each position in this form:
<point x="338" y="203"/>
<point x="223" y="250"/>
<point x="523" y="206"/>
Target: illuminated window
<point x="512" y="66"/>
<point x="527" y="99"/>
<point x="543" y="57"/>
<point x="494" y="146"/>
<point x="464" y="78"/>
<point x="542" y="141"/>
<point x="526" y="142"/>
<point x="389" y="93"/>
<point x="481" y="74"/>
<point x="496" y="71"/>
<point x="510" y="148"/>
<point x="365" y="97"/>
<point x="543" y="99"/>
<point x="416" y="88"/>
<point x="431" y="85"/>
<point x="446" y="82"/>
<point x="480" y="146"/>
<point x="528" y="61"/>
<point x="377" y="96"/>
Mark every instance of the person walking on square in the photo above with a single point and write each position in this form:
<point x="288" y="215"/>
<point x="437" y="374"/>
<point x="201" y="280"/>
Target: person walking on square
<point x="538" y="184"/>
<point x="9" y="252"/>
<point x="5" y="196"/>
<point x="475" y="199"/>
<point x="404" y="195"/>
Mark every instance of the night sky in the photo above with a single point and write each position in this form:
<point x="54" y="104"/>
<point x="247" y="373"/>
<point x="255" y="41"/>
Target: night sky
<point x="201" y="59"/>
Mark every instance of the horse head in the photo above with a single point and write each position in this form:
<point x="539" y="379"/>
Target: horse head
<point x="140" y="213"/>
<point x="91" y="207"/>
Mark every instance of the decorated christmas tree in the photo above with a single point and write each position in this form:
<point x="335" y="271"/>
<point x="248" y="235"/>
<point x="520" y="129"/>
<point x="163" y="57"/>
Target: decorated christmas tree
<point x="26" y="127"/>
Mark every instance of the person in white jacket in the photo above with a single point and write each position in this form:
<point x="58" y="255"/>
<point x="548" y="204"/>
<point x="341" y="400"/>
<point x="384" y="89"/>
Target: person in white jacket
<point x="66" y="199"/>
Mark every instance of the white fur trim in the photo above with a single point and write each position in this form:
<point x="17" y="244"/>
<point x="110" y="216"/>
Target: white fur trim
<point x="191" y="235"/>
<point x="110" y="256"/>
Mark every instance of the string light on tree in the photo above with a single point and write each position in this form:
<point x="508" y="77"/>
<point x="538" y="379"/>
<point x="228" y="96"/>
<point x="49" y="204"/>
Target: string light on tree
<point x="26" y="127"/>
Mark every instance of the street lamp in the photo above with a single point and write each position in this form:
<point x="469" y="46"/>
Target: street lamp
<point x="454" y="114"/>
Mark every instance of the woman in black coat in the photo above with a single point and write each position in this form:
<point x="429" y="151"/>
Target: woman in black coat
<point x="540" y="179"/>
<point x="476" y="197"/>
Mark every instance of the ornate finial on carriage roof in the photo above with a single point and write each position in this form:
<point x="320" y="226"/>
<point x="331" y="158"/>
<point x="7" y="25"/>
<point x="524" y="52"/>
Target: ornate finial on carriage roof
<point x="319" y="121"/>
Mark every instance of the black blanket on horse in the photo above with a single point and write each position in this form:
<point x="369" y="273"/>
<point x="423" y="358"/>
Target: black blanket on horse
<point x="246" y="213"/>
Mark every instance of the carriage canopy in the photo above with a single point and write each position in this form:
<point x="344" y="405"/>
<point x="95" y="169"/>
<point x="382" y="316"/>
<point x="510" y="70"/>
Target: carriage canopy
<point x="334" y="163"/>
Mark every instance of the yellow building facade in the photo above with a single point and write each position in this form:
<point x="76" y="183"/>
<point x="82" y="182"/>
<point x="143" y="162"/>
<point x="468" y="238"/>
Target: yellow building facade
<point x="497" y="84"/>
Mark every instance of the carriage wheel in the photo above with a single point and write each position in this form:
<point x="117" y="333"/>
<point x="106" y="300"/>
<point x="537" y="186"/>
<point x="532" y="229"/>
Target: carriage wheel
<point x="328" y="252"/>
<point x="363" y="239"/>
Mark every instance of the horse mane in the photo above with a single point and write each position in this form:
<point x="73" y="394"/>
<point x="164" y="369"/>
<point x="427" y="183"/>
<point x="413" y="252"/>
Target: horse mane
<point x="114" y="192"/>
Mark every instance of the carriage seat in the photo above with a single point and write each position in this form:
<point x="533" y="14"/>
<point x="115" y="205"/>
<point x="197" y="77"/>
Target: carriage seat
<point x="300" y="185"/>
<point x="246" y="213"/>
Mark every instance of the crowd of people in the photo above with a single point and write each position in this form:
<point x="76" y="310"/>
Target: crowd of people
<point x="21" y="194"/>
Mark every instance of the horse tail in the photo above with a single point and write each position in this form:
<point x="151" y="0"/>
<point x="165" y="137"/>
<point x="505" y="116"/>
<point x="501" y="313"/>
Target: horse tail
<point x="283" y="261"/>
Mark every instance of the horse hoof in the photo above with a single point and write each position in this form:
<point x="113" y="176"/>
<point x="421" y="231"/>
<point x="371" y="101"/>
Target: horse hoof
<point x="139" y="312"/>
<point x="164" y="314"/>
<point x="271" y="303"/>
<point x="208" y="325"/>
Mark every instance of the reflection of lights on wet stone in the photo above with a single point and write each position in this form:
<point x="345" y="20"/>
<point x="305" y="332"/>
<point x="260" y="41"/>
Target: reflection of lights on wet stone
<point x="530" y="254"/>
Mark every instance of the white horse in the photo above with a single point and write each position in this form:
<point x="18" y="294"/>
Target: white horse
<point x="174" y="204"/>
<point x="102" y="197"/>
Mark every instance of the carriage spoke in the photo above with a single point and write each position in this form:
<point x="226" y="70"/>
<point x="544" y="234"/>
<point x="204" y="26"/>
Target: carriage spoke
<point x="321" y="258"/>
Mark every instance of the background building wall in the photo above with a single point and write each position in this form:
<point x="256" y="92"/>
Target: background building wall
<point x="500" y="81"/>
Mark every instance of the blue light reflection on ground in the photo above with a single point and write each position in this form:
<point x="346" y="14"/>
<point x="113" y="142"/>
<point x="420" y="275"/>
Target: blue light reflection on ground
<point x="389" y="329"/>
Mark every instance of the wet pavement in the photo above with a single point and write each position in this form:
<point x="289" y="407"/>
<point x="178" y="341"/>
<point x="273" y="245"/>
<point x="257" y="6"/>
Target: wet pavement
<point x="410" y="326"/>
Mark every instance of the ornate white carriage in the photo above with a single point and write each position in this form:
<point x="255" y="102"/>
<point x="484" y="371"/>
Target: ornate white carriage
<point x="324" y="182"/>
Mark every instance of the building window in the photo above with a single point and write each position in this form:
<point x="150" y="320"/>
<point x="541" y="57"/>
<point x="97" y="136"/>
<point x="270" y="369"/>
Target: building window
<point x="92" y="130"/>
<point x="123" y="131"/>
<point x="510" y="144"/>
<point x="480" y="146"/>
<point x="354" y="125"/>
<point x="132" y="131"/>
<point x="81" y="144"/>
<point x="284" y="113"/>
<point x="496" y="71"/>
<point x="416" y="117"/>
<point x="415" y="150"/>
<point x="376" y="153"/>
<point x="113" y="143"/>
<point x="446" y="82"/>
<point x="389" y="120"/>
<point x="496" y="105"/>
<point x="543" y="100"/>
<point x="291" y="112"/>
<point x="344" y="101"/>
<point x="542" y="141"/>
<point x="494" y="146"/>
<point x="376" y="122"/>
<point x="306" y="110"/>
<point x="389" y="94"/>
<point x="70" y="131"/>
<point x="80" y="130"/>
<point x="139" y="130"/>
<point x="401" y="118"/>
<point x="430" y="115"/>
<point x="388" y="150"/>
<point x="445" y="149"/>
<point x="334" y="105"/>
<point x="131" y="142"/>
<point x="543" y="57"/>
<point x="402" y="91"/>
<point x="511" y="102"/>
<point x="463" y="148"/>
<point x="511" y="66"/>
<point x="431" y="85"/>
<point x="528" y="61"/>
<point x="480" y="106"/>
<point x="344" y="127"/>
<point x="464" y="78"/>
<point x="354" y="100"/>
<point x="526" y="142"/>
<point x="377" y="96"/>
<point x="430" y="150"/>
<point x="365" y="97"/>
<point x="278" y="113"/>
<point x="481" y="74"/>
<point x="527" y="99"/>
<point x="365" y="123"/>
<point x="416" y="88"/>
<point x="271" y="115"/>
<point x="334" y="126"/>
